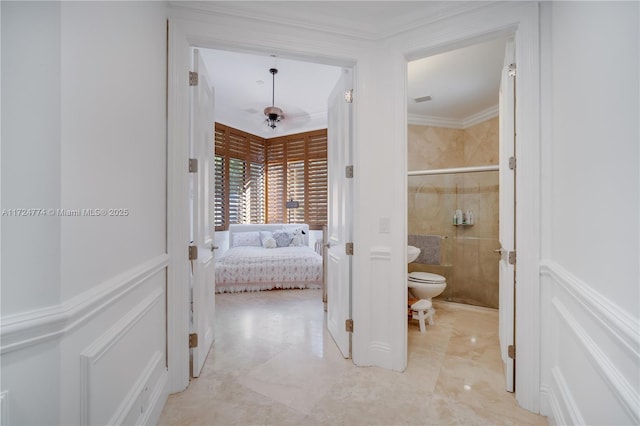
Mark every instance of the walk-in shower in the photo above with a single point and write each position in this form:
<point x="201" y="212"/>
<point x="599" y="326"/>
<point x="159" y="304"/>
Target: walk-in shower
<point x="462" y="252"/>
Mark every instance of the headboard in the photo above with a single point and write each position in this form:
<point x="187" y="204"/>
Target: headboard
<point x="252" y="227"/>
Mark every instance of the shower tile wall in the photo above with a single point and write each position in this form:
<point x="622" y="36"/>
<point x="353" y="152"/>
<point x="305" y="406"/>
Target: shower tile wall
<point x="468" y="261"/>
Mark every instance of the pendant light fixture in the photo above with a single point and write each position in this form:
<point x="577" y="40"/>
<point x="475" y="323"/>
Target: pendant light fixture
<point x="273" y="113"/>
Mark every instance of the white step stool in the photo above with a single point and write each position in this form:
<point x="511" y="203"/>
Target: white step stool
<point x="423" y="311"/>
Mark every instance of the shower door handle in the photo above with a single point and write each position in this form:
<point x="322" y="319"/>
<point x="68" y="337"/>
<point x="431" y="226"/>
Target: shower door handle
<point x="498" y="251"/>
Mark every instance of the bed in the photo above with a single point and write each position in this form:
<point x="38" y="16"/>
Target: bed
<point x="267" y="257"/>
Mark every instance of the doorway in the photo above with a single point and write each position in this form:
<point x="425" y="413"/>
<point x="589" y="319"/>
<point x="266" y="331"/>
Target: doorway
<point x="309" y="97"/>
<point x="178" y="296"/>
<point x="454" y="175"/>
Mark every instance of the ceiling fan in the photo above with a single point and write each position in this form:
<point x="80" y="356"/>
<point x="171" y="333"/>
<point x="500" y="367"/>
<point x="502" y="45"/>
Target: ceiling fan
<point x="273" y="113"/>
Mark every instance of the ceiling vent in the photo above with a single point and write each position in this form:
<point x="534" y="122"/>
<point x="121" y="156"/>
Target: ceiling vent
<point x="422" y="99"/>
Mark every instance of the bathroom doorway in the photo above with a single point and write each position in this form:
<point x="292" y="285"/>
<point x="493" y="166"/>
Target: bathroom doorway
<point x="454" y="127"/>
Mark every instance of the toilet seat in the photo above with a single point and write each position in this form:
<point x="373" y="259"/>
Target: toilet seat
<point x="426" y="277"/>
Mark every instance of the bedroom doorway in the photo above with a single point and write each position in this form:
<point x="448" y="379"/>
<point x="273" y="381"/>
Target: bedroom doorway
<point x="223" y="68"/>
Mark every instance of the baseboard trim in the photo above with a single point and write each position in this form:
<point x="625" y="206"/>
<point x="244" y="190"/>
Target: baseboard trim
<point x="33" y="327"/>
<point x="567" y="404"/>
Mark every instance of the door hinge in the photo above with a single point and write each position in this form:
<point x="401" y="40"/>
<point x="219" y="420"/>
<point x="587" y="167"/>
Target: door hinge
<point x="193" y="252"/>
<point x="511" y="351"/>
<point x="348" y="325"/>
<point x="348" y="172"/>
<point x="512" y="163"/>
<point x="348" y="249"/>
<point x="193" y="340"/>
<point x="348" y="96"/>
<point x="193" y="78"/>
<point x="512" y="258"/>
<point x="512" y="70"/>
<point x="193" y="165"/>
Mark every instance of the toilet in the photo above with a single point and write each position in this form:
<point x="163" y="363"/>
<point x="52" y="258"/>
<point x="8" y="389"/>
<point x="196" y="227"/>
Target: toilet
<point x="425" y="285"/>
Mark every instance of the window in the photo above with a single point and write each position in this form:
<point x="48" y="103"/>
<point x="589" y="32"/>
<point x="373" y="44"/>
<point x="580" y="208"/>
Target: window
<point x="256" y="177"/>
<point x="297" y="171"/>
<point x="239" y="177"/>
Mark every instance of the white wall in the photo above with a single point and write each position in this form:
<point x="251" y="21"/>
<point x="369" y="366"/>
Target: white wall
<point x="590" y="276"/>
<point x="30" y="153"/>
<point x="83" y="298"/>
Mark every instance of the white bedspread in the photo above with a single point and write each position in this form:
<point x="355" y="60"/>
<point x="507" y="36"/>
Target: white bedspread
<point x="257" y="268"/>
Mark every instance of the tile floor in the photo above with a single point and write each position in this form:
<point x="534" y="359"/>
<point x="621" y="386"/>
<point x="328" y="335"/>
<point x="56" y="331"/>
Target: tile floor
<point x="273" y="363"/>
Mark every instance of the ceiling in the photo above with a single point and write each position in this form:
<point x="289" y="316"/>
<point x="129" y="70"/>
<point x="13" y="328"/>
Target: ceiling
<point x="463" y="84"/>
<point x="243" y="88"/>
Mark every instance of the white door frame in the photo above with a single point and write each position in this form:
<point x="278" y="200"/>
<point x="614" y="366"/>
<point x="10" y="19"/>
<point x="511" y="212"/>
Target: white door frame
<point x="178" y="122"/>
<point x="178" y="220"/>
<point x="521" y="20"/>
<point x="340" y="218"/>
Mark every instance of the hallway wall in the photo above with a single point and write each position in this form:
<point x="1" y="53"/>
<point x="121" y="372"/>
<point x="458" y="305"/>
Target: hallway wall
<point x="590" y="262"/>
<point x="83" y="289"/>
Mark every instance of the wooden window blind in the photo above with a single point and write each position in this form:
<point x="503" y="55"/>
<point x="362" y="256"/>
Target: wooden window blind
<point x="297" y="171"/>
<point x="239" y="185"/>
<point x="317" y="179"/>
<point x="255" y="177"/>
<point x="220" y="198"/>
<point x="276" y="182"/>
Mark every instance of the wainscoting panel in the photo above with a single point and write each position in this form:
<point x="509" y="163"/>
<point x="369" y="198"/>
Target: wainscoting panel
<point x="4" y="409"/>
<point x="118" y="388"/>
<point x="380" y="349"/>
<point x="108" y="349"/>
<point x="33" y="327"/>
<point x="591" y="353"/>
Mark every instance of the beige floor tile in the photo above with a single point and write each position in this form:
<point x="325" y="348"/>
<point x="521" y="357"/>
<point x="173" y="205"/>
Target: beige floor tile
<point x="274" y="363"/>
<point x="295" y="378"/>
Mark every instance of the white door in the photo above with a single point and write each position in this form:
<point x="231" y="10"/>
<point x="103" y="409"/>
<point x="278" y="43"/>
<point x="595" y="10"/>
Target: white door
<point x="507" y="216"/>
<point x="340" y="190"/>
<point x="202" y="234"/>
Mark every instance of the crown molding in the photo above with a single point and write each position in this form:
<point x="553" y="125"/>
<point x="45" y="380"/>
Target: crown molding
<point x="282" y="14"/>
<point x="454" y="123"/>
<point x="481" y="116"/>
<point x="427" y="120"/>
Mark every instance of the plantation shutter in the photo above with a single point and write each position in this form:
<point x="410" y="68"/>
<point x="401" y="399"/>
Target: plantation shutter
<point x="316" y="214"/>
<point x="296" y="179"/>
<point x="237" y="168"/>
<point x="240" y="182"/>
<point x="220" y="197"/>
<point x="297" y="171"/>
<point x="254" y="178"/>
<point x="255" y="188"/>
<point x="276" y="181"/>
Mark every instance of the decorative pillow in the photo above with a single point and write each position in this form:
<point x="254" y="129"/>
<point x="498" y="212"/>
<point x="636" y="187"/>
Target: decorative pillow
<point x="269" y="242"/>
<point x="246" y="239"/>
<point x="296" y="241"/>
<point x="302" y="236"/>
<point x="264" y="235"/>
<point x="282" y="237"/>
